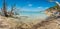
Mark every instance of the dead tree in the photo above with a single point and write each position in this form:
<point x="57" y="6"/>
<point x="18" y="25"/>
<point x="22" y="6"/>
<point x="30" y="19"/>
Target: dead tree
<point x="12" y="9"/>
<point x="4" y="9"/>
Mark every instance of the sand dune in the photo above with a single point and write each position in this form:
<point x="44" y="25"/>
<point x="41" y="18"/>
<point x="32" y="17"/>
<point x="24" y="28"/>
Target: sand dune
<point x="13" y="23"/>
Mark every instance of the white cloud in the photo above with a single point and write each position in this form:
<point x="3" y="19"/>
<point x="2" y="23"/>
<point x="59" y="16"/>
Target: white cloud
<point x="42" y="8"/>
<point x="39" y="7"/>
<point x="29" y="4"/>
<point x="34" y="9"/>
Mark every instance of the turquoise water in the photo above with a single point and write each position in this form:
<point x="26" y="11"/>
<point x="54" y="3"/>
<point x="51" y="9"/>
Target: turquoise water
<point x="34" y="14"/>
<point x="30" y="13"/>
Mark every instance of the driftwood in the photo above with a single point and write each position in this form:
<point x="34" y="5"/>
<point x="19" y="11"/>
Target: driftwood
<point x="5" y="12"/>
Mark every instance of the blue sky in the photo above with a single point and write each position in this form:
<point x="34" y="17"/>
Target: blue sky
<point x="29" y="5"/>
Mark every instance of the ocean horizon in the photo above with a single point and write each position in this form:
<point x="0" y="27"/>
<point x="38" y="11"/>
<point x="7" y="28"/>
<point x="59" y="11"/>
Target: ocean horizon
<point x="34" y="14"/>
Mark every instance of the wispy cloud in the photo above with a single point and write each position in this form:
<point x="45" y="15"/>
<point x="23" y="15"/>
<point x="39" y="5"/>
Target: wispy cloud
<point x="34" y="9"/>
<point x="30" y="5"/>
